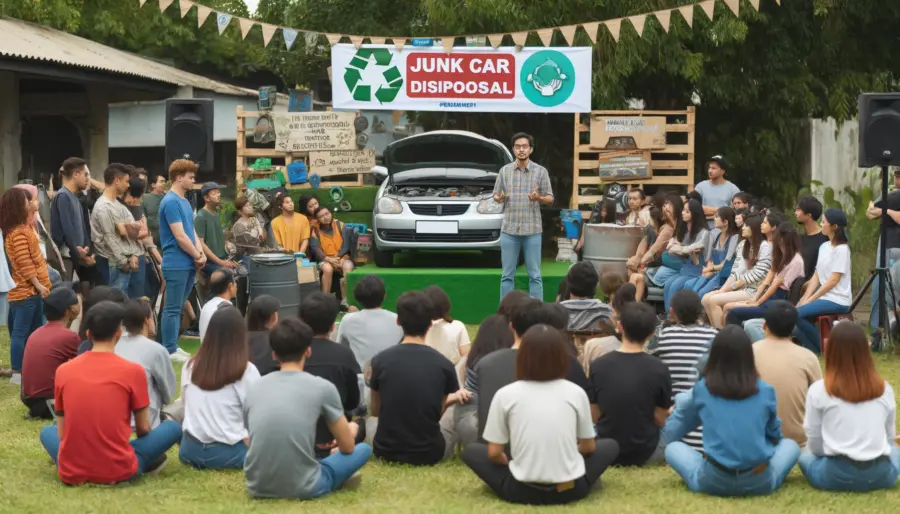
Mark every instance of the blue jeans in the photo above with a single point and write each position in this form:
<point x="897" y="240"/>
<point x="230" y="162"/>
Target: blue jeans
<point x="739" y="315"/>
<point x="25" y="316"/>
<point x="841" y="474"/>
<point x="148" y="448"/>
<point x="102" y="267"/>
<point x="658" y="277"/>
<point x="754" y="329"/>
<point x="510" y="246"/>
<point x="179" y="284"/>
<point x="212" y="455"/>
<point x="119" y="279"/>
<point x="806" y="332"/>
<point x="137" y="283"/>
<point x="687" y="273"/>
<point x="702" y="477"/>
<point x="337" y="468"/>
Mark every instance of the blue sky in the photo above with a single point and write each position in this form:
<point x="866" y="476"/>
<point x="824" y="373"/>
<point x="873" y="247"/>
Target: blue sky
<point x="251" y="4"/>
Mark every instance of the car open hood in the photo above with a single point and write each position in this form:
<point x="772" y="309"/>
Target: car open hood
<point x="445" y="149"/>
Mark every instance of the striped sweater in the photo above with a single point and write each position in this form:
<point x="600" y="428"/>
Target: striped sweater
<point x="24" y="252"/>
<point x="752" y="276"/>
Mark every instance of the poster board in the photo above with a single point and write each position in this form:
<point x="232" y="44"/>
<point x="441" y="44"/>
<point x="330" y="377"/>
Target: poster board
<point x="625" y="165"/>
<point x="628" y="133"/>
<point x="311" y="131"/>
<point x="328" y="163"/>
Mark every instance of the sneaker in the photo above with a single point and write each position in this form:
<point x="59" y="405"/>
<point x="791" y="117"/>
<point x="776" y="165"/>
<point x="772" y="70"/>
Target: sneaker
<point x="183" y="353"/>
<point x="16" y="379"/>
<point x="191" y="333"/>
<point x="352" y="482"/>
<point x="179" y="357"/>
<point x="157" y="466"/>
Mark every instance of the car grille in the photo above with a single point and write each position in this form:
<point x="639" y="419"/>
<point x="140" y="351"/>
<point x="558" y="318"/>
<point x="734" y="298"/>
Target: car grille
<point x="464" y="236"/>
<point x="439" y="209"/>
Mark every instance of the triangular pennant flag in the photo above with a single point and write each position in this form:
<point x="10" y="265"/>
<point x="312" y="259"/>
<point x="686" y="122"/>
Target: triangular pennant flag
<point x="246" y="25"/>
<point x="357" y="40"/>
<point x="687" y="12"/>
<point x="399" y="43"/>
<point x="665" y="19"/>
<point x="290" y="35"/>
<point x="546" y="36"/>
<point x="755" y="4"/>
<point x="709" y="7"/>
<point x="185" y="7"/>
<point x="203" y="13"/>
<point x="222" y="21"/>
<point x="778" y="2"/>
<point x="143" y="2"/>
<point x="377" y="40"/>
<point x="268" y="31"/>
<point x="615" y="27"/>
<point x="519" y="38"/>
<point x="591" y="29"/>
<point x="333" y="39"/>
<point x="735" y="6"/>
<point x="638" y="23"/>
<point x="164" y="4"/>
<point x="311" y="38"/>
<point x="569" y="33"/>
<point x="447" y="43"/>
<point x="496" y="40"/>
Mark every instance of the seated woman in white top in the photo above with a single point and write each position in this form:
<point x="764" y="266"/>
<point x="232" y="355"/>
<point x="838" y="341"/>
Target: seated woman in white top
<point x="850" y="420"/>
<point x="546" y="421"/>
<point x="447" y="336"/>
<point x="214" y="386"/>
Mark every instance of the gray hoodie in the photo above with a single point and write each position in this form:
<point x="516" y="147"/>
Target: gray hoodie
<point x="584" y="313"/>
<point x="156" y="363"/>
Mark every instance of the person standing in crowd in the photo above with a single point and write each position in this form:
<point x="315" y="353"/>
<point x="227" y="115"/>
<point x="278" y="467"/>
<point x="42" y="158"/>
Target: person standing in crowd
<point x="373" y="329"/>
<point x="48" y="348"/>
<point x="209" y="230"/>
<point x="69" y="229"/>
<point x="282" y="411"/>
<point x="262" y="315"/>
<point x="96" y="395"/>
<point x="151" y="202"/>
<point x="291" y="230"/>
<point x="523" y="186"/>
<point x="850" y="420"/>
<point x="716" y="191"/>
<point x="182" y="253"/>
<point x="892" y="231"/>
<point x="138" y="286"/>
<point x="48" y="248"/>
<point x="730" y="399"/>
<point x="29" y="272"/>
<point x="330" y="247"/>
<point x="222" y="289"/>
<point x="828" y="291"/>
<point x="546" y="420"/>
<point x="114" y="231"/>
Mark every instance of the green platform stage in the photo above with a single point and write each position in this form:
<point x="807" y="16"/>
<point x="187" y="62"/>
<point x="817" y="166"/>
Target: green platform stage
<point x="473" y="288"/>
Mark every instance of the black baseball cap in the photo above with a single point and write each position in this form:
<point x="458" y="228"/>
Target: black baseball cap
<point x="61" y="298"/>
<point x="209" y="186"/>
<point x="721" y="161"/>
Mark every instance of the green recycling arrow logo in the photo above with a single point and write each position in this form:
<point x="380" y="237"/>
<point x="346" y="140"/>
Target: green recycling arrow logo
<point x="363" y="92"/>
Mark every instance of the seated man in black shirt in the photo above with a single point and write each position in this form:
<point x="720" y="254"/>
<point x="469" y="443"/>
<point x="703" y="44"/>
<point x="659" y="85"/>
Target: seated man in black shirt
<point x="498" y="369"/>
<point x="633" y="391"/>
<point x="412" y="385"/>
<point x="331" y="361"/>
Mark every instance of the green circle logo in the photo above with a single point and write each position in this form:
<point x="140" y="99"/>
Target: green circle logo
<point x="547" y="78"/>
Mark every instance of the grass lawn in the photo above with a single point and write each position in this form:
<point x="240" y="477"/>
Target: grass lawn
<point x="30" y="484"/>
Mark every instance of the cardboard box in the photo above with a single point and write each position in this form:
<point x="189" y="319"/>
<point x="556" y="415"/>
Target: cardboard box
<point x="628" y="133"/>
<point x="306" y="274"/>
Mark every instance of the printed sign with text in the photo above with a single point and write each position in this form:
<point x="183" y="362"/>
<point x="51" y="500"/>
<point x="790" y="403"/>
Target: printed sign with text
<point x="312" y="131"/>
<point x="341" y="162"/>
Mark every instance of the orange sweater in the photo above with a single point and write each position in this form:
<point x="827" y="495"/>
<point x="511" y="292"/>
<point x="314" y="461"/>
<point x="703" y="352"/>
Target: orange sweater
<point x="24" y="252"/>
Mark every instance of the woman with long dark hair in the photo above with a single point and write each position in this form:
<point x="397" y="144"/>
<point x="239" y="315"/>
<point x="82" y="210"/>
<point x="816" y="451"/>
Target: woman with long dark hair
<point x="723" y="243"/>
<point x="850" y="420"/>
<point x="214" y="385"/>
<point x="447" y="335"/>
<point x="693" y="237"/>
<point x="751" y="264"/>
<point x="546" y="421"/>
<point x="308" y="207"/>
<point x="745" y="452"/>
<point x="653" y="258"/>
<point x="828" y="291"/>
<point x="29" y="271"/>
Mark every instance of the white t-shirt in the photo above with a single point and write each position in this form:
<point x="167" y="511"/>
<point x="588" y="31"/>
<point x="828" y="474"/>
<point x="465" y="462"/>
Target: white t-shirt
<point x="542" y="422"/>
<point x="447" y="338"/>
<point x="835" y="259"/>
<point x="207" y="312"/>
<point x="216" y="416"/>
<point x="861" y="431"/>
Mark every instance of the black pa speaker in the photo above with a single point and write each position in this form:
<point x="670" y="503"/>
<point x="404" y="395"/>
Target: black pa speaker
<point x="879" y="129"/>
<point x="189" y="131"/>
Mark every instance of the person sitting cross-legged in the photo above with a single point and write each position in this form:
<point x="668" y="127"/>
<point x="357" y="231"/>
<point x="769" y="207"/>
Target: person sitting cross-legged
<point x="745" y="452"/>
<point x="585" y="310"/>
<point x="95" y="395"/>
<point x="546" y="420"/>
<point x="222" y="288"/>
<point x="373" y="329"/>
<point x="281" y="412"/>
<point x="330" y="247"/>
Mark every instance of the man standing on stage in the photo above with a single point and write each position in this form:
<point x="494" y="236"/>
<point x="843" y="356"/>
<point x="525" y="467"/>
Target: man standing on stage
<point x="523" y="186"/>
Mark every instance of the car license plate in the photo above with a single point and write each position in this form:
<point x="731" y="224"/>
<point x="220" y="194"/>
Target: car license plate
<point x="437" y="227"/>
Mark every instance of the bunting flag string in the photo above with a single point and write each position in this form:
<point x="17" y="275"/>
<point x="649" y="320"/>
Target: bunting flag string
<point x="519" y="38"/>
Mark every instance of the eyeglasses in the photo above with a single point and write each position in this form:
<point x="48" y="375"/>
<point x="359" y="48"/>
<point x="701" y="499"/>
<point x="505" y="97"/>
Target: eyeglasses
<point x="521" y="147"/>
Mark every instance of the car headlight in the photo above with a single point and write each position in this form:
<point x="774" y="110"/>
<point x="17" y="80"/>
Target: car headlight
<point x="489" y="206"/>
<point x="388" y="206"/>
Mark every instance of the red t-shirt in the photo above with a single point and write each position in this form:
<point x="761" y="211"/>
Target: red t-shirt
<point x="96" y="393"/>
<point x="47" y="348"/>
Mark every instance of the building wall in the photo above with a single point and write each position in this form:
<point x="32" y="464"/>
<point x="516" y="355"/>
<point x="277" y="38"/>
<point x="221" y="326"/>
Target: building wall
<point x="834" y="153"/>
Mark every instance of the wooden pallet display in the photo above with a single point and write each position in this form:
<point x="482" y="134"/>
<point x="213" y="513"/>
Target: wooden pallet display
<point x="245" y="156"/>
<point x="672" y="166"/>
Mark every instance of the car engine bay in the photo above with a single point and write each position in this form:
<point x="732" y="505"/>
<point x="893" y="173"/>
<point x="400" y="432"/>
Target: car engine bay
<point x="439" y="192"/>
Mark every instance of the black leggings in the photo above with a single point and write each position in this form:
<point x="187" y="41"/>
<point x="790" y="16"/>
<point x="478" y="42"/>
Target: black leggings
<point x="501" y="481"/>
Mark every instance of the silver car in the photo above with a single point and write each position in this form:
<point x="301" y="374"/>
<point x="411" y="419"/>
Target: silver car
<point x="437" y="194"/>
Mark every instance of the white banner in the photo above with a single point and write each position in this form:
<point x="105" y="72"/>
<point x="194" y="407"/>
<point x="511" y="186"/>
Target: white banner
<point x="477" y="79"/>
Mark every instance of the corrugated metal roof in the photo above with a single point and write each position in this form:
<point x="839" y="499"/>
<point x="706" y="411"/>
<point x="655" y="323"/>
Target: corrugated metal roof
<point x="25" y="40"/>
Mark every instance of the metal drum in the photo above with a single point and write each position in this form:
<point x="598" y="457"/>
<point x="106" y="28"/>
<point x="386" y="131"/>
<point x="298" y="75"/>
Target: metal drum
<point x="275" y="274"/>
<point x="608" y="246"/>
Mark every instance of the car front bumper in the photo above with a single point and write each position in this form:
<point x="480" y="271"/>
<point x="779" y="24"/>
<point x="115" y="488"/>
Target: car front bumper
<point x="411" y="231"/>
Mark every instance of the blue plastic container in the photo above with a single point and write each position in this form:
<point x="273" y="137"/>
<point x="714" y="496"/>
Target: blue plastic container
<point x="297" y="172"/>
<point x="571" y="221"/>
<point x="360" y="228"/>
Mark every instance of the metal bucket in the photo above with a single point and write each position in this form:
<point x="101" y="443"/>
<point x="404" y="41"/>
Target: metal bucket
<point x="609" y="247"/>
<point x="275" y="274"/>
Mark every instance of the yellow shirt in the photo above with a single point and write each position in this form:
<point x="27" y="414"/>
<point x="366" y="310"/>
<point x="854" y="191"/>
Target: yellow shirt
<point x="291" y="233"/>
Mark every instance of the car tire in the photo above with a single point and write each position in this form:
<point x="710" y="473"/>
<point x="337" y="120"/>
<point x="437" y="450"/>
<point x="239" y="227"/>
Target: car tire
<point x="383" y="259"/>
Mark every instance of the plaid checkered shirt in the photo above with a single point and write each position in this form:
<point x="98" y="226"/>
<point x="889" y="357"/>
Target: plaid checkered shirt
<point x="522" y="217"/>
